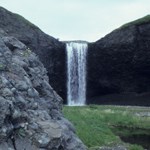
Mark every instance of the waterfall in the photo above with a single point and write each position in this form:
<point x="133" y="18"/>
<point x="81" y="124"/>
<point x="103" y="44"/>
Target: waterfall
<point x="76" y="73"/>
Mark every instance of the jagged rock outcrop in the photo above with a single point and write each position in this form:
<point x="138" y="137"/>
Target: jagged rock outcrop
<point x="30" y="110"/>
<point x="51" y="52"/>
<point x="119" y="63"/>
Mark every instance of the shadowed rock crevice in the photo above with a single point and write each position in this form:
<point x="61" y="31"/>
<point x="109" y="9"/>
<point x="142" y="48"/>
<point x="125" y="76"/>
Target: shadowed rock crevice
<point x="142" y="140"/>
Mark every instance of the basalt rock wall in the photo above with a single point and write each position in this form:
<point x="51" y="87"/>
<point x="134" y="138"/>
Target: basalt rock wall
<point x="119" y="66"/>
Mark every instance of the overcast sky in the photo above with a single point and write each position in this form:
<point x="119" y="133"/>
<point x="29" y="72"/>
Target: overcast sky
<point x="78" y="19"/>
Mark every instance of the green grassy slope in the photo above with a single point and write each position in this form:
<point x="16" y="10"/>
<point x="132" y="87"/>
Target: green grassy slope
<point x="142" y="20"/>
<point x="100" y="125"/>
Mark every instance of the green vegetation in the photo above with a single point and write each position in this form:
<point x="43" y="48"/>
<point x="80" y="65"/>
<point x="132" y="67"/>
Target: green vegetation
<point x="21" y="132"/>
<point x="143" y="20"/>
<point x="135" y="147"/>
<point x="102" y="125"/>
<point x="1" y="66"/>
<point x="27" y="52"/>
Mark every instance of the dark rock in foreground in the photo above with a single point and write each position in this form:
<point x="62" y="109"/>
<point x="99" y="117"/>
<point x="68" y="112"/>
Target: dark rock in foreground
<point x="30" y="110"/>
<point x="119" y="63"/>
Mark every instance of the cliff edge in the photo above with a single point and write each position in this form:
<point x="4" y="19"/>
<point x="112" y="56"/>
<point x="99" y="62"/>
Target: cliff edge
<point x="119" y="63"/>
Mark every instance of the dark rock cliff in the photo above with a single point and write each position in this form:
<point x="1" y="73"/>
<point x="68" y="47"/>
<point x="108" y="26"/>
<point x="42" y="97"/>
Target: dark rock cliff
<point x="119" y="64"/>
<point x="30" y="110"/>
<point x="50" y="51"/>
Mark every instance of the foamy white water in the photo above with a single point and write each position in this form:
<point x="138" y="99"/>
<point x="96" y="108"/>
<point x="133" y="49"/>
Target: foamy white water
<point x="76" y="73"/>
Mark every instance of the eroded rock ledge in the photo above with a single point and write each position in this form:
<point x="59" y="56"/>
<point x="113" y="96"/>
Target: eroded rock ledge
<point x="30" y="110"/>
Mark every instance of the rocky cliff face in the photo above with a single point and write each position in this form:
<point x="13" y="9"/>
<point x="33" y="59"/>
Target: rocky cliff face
<point x="51" y="52"/>
<point x="119" y="63"/>
<point x="30" y="110"/>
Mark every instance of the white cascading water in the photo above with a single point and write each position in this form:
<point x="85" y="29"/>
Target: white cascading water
<point x="76" y="73"/>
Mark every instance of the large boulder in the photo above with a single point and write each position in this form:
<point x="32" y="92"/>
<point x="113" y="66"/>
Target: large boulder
<point x="119" y="64"/>
<point x="30" y="110"/>
<point x="51" y="52"/>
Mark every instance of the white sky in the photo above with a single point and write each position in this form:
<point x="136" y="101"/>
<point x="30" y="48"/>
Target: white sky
<point x="78" y="19"/>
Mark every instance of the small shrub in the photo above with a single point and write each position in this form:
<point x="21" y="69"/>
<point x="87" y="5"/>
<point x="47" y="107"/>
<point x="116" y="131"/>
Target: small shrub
<point x="27" y="52"/>
<point x="135" y="147"/>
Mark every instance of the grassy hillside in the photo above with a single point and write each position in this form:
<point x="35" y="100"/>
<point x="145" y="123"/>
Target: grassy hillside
<point x="104" y="125"/>
<point x="142" y="20"/>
